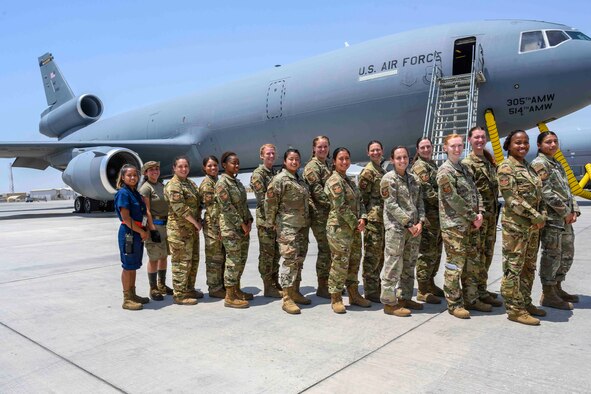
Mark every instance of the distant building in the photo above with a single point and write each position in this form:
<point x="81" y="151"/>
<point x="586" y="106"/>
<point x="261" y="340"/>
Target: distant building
<point x="52" y="194"/>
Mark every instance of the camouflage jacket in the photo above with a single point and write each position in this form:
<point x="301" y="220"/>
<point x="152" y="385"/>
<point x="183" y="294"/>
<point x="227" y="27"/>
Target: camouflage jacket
<point x="369" y="186"/>
<point x="183" y="199"/>
<point x="259" y="182"/>
<point x="426" y="172"/>
<point x="459" y="200"/>
<point x="345" y="202"/>
<point x="403" y="203"/>
<point x="316" y="174"/>
<point x="522" y="191"/>
<point x="484" y="174"/>
<point x="558" y="198"/>
<point x="211" y="221"/>
<point x="286" y="203"/>
<point x="231" y="198"/>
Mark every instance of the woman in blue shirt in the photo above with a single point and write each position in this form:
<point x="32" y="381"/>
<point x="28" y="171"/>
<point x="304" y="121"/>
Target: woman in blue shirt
<point x="131" y="211"/>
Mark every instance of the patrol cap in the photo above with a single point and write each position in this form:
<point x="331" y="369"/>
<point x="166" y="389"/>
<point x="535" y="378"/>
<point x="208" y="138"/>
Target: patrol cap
<point x="149" y="165"/>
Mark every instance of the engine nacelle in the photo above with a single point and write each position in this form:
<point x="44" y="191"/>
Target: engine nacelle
<point x="93" y="172"/>
<point x="71" y="116"/>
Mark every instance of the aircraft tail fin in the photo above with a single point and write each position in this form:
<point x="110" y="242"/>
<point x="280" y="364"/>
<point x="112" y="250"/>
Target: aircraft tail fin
<point x="57" y="90"/>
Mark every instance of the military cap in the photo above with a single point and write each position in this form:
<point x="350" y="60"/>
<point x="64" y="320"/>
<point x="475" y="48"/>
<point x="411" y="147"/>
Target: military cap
<point x="149" y="165"/>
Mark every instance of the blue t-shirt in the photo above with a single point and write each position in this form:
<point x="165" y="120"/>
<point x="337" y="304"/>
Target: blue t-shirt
<point x="131" y="200"/>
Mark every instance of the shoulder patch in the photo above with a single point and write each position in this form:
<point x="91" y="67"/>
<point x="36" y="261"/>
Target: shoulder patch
<point x="424" y="177"/>
<point x="258" y="185"/>
<point x="363" y="184"/>
<point x="176" y="196"/>
<point x="270" y="193"/>
<point x="311" y="177"/>
<point x="384" y="192"/>
<point x="503" y="181"/>
<point x="337" y="189"/>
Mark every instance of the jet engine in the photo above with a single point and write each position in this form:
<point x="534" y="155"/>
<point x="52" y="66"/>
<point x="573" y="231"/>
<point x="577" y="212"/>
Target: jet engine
<point x="71" y="116"/>
<point x="94" y="171"/>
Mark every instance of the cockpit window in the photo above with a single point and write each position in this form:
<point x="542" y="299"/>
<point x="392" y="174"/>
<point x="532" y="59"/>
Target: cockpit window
<point x="532" y="41"/>
<point x="555" y="37"/>
<point x="577" y="35"/>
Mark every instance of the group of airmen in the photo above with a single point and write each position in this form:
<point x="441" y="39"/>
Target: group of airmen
<point x="404" y="217"/>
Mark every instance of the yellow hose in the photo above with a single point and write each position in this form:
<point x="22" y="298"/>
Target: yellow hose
<point x="575" y="187"/>
<point x="493" y="134"/>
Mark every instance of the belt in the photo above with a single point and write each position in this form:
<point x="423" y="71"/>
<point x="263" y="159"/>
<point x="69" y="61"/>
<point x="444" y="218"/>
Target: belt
<point x="159" y="222"/>
<point x="139" y="224"/>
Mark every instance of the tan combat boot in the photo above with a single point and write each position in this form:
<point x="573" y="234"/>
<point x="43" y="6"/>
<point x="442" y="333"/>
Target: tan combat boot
<point x="184" y="300"/>
<point x="523" y="318"/>
<point x="410" y="304"/>
<point x="424" y="294"/>
<point x="129" y="303"/>
<point x="270" y="289"/>
<point x="564" y="295"/>
<point x="355" y="298"/>
<point x="551" y="299"/>
<point x="288" y="305"/>
<point x="322" y="290"/>
<point x="336" y="302"/>
<point x="164" y="290"/>
<point x="435" y="290"/>
<point x="137" y="298"/>
<point x="488" y="299"/>
<point x="396" y="310"/>
<point x="194" y="293"/>
<point x="479" y="306"/>
<point x="535" y="311"/>
<point x="220" y="293"/>
<point x="232" y="300"/>
<point x="242" y="294"/>
<point x="460" y="313"/>
<point x="298" y="297"/>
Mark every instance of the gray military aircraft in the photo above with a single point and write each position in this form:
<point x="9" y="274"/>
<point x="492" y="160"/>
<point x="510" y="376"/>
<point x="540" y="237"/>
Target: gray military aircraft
<point x="534" y="71"/>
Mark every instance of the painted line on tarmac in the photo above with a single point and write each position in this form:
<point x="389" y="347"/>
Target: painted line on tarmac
<point x="63" y="358"/>
<point x="380" y="347"/>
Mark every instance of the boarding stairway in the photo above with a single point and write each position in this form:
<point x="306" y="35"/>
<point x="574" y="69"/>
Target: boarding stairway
<point x="452" y="104"/>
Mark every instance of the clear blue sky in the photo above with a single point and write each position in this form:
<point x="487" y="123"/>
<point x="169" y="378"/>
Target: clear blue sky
<point x="132" y="53"/>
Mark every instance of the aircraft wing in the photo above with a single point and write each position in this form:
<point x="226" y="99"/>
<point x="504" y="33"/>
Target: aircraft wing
<point x="35" y="154"/>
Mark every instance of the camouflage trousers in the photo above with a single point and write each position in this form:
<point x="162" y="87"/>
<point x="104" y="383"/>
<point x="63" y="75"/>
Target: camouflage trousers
<point x="236" y="246"/>
<point x="461" y="267"/>
<point x="429" y="251"/>
<point x="345" y="248"/>
<point x="398" y="274"/>
<point x="558" y="249"/>
<point x="318" y="226"/>
<point x="486" y="248"/>
<point x="215" y="257"/>
<point x="373" y="257"/>
<point x="268" y="252"/>
<point x="184" y="258"/>
<point x="520" y="252"/>
<point x="293" y="245"/>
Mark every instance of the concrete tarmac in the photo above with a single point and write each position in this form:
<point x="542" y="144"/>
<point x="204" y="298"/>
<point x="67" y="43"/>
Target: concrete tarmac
<point x="62" y="328"/>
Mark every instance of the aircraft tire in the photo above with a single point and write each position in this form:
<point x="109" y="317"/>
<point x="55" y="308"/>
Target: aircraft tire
<point x="90" y="205"/>
<point x="79" y="204"/>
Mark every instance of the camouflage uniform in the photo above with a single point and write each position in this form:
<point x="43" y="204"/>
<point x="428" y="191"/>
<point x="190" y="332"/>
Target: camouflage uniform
<point x="215" y="255"/>
<point x="341" y="230"/>
<point x="431" y="240"/>
<point x="403" y="208"/>
<point x="231" y="198"/>
<point x="373" y="237"/>
<point x="484" y="174"/>
<point x="183" y="239"/>
<point x="557" y="237"/>
<point x="154" y="192"/>
<point x="286" y="206"/>
<point x="459" y="204"/>
<point x="268" y="247"/>
<point x="316" y="174"/>
<point x="522" y="191"/>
